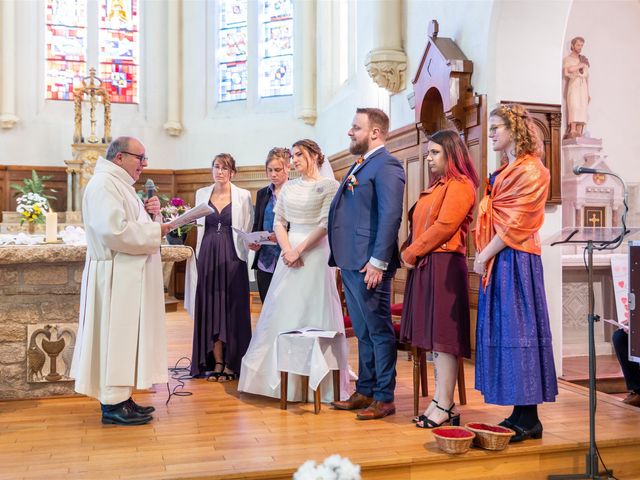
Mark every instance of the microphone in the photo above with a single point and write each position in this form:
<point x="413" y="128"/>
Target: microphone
<point x="150" y="188"/>
<point x="580" y="170"/>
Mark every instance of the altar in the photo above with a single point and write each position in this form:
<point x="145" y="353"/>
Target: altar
<point x="40" y="291"/>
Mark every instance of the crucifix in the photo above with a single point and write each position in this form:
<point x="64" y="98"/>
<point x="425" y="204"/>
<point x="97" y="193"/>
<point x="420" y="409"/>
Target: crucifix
<point x="594" y="220"/>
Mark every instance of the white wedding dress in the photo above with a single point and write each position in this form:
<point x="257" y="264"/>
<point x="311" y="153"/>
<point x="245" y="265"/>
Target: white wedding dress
<point x="298" y="297"/>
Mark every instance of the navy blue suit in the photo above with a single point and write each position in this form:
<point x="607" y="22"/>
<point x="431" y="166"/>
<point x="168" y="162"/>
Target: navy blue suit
<point x="364" y="224"/>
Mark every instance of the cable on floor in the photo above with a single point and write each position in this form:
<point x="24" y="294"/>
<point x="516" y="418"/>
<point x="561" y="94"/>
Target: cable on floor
<point x="179" y="374"/>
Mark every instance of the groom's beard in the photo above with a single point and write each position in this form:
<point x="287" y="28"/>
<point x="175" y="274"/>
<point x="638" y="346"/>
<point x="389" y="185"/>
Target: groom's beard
<point x="359" y="148"/>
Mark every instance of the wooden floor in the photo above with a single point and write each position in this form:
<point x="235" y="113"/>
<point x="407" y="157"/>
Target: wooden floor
<point x="216" y="433"/>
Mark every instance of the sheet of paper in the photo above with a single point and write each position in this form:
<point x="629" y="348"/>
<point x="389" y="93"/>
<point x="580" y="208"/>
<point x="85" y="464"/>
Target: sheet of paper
<point x="619" y="325"/>
<point x="192" y="215"/>
<point x="312" y="332"/>
<point x="261" y="238"/>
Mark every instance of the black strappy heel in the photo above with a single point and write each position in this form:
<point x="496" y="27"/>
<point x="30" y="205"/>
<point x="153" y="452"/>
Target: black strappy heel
<point x="423" y="418"/>
<point x="214" y="376"/>
<point x="227" y="377"/>
<point x="451" y="420"/>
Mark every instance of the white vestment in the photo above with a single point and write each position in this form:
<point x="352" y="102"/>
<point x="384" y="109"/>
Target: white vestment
<point x="121" y="341"/>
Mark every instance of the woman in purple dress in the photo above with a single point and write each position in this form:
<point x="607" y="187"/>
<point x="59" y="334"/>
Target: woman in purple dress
<point x="222" y="320"/>
<point x="514" y="354"/>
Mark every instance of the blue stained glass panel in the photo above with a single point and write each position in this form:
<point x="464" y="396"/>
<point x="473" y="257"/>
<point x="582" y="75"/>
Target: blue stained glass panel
<point x="278" y="38"/>
<point x="232" y="50"/>
<point x="233" y="45"/>
<point x="277" y="9"/>
<point x="233" y="13"/>
<point x="276" y="48"/>
<point x="276" y="76"/>
<point x="233" y="81"/>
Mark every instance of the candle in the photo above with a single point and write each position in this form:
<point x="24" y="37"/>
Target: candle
<point x="51" y="227"/>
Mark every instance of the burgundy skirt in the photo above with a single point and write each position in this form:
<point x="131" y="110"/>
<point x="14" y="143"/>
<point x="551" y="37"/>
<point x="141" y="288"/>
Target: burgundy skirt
<point x="435" y="314"/>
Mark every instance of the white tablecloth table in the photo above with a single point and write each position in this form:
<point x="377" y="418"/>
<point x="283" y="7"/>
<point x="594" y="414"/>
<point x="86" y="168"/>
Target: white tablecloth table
<point x="313" y="357"/>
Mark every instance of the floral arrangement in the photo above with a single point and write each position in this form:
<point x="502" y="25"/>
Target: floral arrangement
<point x="173" y="209"/>
<point x="333" y="468"/>
<point x="32" y="208"/>
<point x="352" y="182"/>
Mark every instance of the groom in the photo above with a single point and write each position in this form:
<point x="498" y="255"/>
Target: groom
<point x="363" y="234"/>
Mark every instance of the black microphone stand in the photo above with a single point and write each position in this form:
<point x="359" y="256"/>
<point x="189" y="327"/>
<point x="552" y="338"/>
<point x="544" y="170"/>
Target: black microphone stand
<point x="592" y="456"/>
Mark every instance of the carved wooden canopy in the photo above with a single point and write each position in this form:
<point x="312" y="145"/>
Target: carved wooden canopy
<point x="442" y="84"/>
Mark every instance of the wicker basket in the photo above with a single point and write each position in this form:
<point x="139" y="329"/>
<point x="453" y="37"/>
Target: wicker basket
<point x="488" y="439"/>
<point x="453" y="445"/>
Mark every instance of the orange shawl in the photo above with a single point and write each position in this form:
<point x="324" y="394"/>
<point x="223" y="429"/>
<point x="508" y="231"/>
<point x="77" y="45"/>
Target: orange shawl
<point x="514" y="208"/>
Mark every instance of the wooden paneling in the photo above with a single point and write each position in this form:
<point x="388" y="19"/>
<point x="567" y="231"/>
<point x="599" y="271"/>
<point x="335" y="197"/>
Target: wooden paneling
<point x="162" y="179"/>
<point x="15" y="174"/>
<point x="182" y="183"/>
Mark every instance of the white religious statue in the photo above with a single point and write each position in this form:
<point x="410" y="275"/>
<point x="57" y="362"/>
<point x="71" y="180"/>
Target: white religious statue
<point x="121" y="342"/>
<point x="575" y="69"/>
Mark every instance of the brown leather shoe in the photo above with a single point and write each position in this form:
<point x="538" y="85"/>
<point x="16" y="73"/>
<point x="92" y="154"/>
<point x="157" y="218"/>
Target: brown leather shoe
<point x="632" y="399"/>
<point x="377" y="410"/>
<point x="355" y="402"/>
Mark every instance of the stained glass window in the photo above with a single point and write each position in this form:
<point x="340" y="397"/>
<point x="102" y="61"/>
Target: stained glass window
<point x="119" y="49"/>
<point x="65" y="47"/>
<point x="276" y="48"/>
<point x="232" y="50"/>
<point x="68" y="53"/>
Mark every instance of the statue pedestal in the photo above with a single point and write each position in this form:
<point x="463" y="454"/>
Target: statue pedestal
<point x="573" y="154"/>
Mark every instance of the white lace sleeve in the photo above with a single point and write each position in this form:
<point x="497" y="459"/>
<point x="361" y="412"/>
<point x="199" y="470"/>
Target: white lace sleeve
<point x="329" y="192"/>
<point x="279" y="210"/>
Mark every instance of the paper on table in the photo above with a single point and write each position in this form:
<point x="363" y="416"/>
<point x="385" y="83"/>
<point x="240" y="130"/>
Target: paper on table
<point x="192" y="215"/>
<point x="312" y="332"/>
<point x="261" y="238"/>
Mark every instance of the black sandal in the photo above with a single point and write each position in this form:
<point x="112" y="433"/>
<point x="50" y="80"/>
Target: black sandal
<point x="214" y="376"/>
<point x="451" y="420"/>
<point x="227" y="377"/>
<point x="422" y="418"/>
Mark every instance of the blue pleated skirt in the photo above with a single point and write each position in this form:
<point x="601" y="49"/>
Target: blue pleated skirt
<point x="514" y="354"/>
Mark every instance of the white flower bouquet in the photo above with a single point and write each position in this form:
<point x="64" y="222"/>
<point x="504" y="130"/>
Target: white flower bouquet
<point x="333" y="468"/>
<point x="32" y="208"/>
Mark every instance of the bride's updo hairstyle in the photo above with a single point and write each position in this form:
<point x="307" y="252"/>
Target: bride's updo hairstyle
<point x="312" y="148"/>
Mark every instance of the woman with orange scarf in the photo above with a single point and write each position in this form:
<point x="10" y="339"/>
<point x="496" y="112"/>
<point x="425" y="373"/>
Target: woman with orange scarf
<point x="514" y="355"/>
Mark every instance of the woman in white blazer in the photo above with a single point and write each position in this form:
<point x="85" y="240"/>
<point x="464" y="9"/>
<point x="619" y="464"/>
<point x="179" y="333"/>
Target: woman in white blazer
<point x="222" y="319"/>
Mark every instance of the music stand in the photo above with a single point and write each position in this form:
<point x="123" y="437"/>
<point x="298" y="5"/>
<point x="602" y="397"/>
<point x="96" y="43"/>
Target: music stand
<point x="594" y="238"/>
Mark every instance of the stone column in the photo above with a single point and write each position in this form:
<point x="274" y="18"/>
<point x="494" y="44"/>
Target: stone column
<point x="173" y="126"/>
<point x="8" y="116"/>
<point x="304" y="54"/>
<point x="387" y="62"/>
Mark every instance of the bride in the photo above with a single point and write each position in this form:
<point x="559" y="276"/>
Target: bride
<point x="303" y="290"/>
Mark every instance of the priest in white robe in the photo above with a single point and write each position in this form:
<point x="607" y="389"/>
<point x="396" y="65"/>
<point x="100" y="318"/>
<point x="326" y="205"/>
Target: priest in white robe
<point x="121" y="342"/>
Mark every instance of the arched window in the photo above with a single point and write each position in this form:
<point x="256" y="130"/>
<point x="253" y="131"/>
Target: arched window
<point x="77" y="36"/>
<point x="269" y="71"/>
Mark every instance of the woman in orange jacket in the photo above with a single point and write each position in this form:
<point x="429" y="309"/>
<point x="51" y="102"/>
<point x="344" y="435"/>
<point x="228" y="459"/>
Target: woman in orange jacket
<point x="435" y="316"/>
